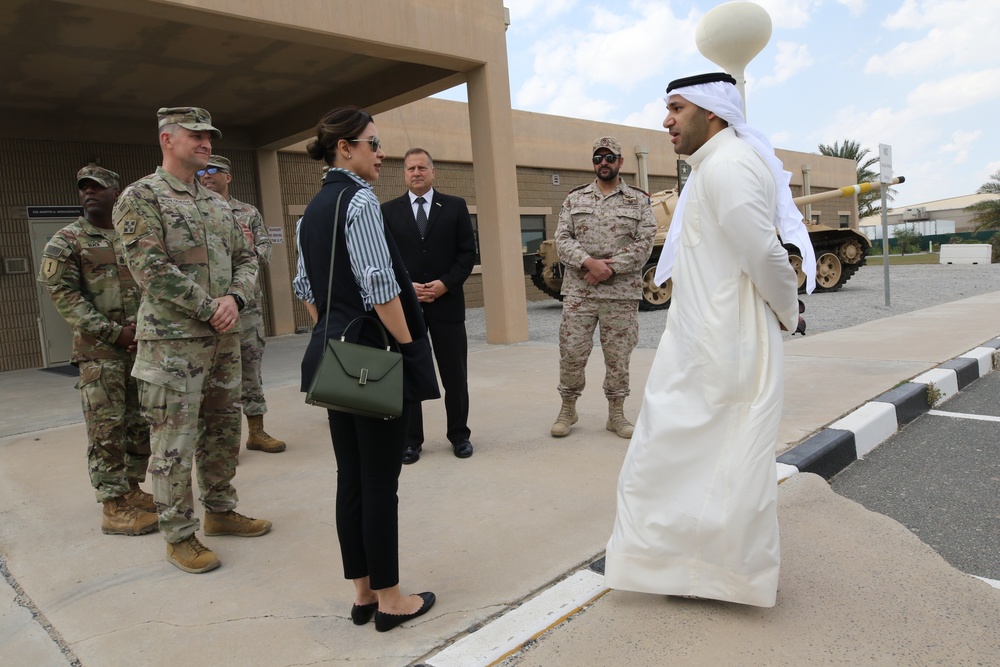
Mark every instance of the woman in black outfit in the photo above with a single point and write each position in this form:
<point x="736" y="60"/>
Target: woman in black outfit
<point x="368" y="275"/>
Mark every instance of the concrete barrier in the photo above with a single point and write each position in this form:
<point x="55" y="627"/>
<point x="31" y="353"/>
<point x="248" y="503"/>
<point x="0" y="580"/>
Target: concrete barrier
<point x="965" y="253"/>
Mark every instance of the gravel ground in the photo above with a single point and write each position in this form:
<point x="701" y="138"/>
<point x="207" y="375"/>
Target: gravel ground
<point x="862" y="299"/>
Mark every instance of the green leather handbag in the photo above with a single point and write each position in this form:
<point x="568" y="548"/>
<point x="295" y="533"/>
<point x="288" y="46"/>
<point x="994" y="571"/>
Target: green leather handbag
<point x="359" y="379"/>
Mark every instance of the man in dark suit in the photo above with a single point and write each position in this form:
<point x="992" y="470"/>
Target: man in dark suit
<point x="434" y="235"/>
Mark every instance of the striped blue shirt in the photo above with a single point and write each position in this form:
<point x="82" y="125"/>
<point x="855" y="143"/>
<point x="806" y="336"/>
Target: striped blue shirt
<point x="370" y="261"/>
<point x="300" y="283"/>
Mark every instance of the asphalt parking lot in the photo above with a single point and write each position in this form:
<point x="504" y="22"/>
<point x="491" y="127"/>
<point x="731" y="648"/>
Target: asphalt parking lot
<point x="940" y="477"/>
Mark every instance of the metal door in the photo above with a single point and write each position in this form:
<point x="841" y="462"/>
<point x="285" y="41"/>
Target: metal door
<point x="56" y="335"/>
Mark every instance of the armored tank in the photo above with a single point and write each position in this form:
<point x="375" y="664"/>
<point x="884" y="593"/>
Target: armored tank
<point x="839" y="252"/>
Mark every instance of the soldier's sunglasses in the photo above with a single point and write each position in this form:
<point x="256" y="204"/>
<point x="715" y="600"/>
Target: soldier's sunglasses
<point x="610" y="158"/>
<point x="210" y="170"/>
<point x="376" y="144"/>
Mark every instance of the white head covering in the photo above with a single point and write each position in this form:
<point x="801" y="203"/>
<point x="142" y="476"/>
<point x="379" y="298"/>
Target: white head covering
<point x="723" y="99"/>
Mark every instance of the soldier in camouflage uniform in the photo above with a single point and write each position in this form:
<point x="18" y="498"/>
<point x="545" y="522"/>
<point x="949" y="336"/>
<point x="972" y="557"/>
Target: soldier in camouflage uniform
<point x="83" y="267"/>
<point x="216" y="177"/>
<point x="605" y="236"/>
<point x="196" y="271"/>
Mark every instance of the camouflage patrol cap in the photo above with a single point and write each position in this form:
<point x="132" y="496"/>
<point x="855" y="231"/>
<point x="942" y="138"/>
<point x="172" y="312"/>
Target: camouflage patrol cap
<point x="190" y="118"/>
<point x="222" y="163"/>
<point x="610" y="143"/>
<point x="103" y="177"/>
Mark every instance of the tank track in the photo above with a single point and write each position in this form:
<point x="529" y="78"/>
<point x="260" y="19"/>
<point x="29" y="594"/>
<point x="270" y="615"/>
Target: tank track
<point x="539" y="282"/>
<point x="822" y="246"/>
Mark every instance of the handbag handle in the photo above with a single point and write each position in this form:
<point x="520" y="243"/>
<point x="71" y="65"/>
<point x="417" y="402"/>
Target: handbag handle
<point x="385" y="339"/>
<point x="329" y="284"/>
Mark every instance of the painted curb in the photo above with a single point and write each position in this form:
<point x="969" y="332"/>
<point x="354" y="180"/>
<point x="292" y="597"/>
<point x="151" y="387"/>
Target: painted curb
<point x="852" y="437"/>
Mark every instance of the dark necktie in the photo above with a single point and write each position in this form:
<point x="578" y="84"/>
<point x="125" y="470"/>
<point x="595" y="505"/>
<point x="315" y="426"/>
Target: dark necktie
<point x="421" y="217"/>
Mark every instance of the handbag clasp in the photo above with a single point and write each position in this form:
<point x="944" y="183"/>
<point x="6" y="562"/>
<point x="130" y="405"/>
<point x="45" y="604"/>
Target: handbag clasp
<point x="363" y="378"/>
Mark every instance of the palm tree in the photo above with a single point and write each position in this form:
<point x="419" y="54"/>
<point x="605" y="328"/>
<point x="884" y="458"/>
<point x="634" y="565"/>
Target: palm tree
<point x="869" y="203"/>
<point x="987" y="212"/>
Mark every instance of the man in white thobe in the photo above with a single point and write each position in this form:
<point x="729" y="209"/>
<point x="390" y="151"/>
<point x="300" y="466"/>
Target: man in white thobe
<point x="697" y="495"/>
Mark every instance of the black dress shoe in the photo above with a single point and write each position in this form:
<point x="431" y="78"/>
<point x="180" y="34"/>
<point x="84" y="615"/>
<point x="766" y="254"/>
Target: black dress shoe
<point x="463" y="449"/>
<point x="411" y="454"/>
<point x="362" y="613"/>
<point x="386" y="622"/>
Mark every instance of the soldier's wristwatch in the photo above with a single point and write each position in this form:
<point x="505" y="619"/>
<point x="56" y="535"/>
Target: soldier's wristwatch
<point x="239" y="301"/>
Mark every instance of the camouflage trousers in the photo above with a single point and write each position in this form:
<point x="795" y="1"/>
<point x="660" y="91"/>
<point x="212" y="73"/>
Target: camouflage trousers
<point x="252" y="354"/>
<point x="619" y="324"/>
<point x="117" y="434"/>
<point x="189" y="390"/>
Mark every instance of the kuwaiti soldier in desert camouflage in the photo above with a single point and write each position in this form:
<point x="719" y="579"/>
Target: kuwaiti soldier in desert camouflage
<point x="604" y="237"/>
<point x="216" y="177"/>
<point x="196" y="270"/>
<point x="84" y="269"/>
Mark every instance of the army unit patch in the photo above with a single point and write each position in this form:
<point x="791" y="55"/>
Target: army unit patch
<point x="50" y="267"/>
<point x="128" y="227"/>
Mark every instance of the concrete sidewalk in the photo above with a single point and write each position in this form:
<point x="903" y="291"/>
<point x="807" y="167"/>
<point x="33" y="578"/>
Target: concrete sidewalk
<point x="484" y="533"/>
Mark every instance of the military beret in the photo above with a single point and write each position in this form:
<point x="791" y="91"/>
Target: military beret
<point x="190" y="118"/>
<point x="103" y="177"/>
<point x="222" y="163"/>
<point x="700" y="79"/>
<point x="610" y="143"/>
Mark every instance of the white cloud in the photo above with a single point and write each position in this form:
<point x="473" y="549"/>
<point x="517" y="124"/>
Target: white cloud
<point x="790" y="59"/>
<point x="526" y="12"/>
<point x="790" y="13"/>
<point x="958" y="92"/>
<point x="779" y="138"/>
<point x="958" y="32"/>
<point x="987" y="172"/>
<point x="650" y="116"/>
<point x="575" y="67"/>
<point x="961" y="142"/>
<point x="855" y="7"/>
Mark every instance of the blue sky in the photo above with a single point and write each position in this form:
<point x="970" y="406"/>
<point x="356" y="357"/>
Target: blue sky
<point x="920" y="75"/>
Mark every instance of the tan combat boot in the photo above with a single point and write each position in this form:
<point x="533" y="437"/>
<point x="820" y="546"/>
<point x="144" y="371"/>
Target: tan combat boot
<point x="233" y="523"/>
<point x="120" y="518"/>
<point x="567" y="417"/>
<point x="192" y="556"/>
<point x="139" y="499"/>
<point x="258" y="437"/>
<point x="616" y="418"/>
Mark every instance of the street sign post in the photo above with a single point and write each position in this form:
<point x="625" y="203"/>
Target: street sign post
<point x="885" y="176"/>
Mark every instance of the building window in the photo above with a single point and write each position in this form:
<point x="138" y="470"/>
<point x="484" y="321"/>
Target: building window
<point x="815" y="217"/>
<point x="845" y="220"/>
<point x="532" y="233"/>
<point x="475" y="233"/>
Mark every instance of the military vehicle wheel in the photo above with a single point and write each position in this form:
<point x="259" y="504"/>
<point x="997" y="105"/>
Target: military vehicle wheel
<point x="851" y="252"/>
<point x="800" y="276"/>
<point x="828" y="270"/>
<point x="654" y="297"/>
<point x="545" y="288"/>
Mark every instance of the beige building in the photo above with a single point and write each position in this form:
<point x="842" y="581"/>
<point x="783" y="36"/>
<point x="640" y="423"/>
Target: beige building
<point x="941" y="216"/>
<point x="84" y="78"/>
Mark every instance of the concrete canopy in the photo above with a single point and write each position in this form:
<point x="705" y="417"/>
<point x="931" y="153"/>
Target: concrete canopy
<point x="266" y="71"/>
<point x="97" y="70"/>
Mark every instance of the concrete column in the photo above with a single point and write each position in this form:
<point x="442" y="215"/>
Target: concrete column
<point x="642" y="157"/>
<point x="497" y="205"/>
<point x="807" y="190"/>
<point x="279" y="282"/>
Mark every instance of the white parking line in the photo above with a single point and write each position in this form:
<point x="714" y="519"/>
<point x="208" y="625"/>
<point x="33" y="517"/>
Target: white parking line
<point x="500" y="638"/>
<point x="963" y="415"/>
<point x="992" y="582"/>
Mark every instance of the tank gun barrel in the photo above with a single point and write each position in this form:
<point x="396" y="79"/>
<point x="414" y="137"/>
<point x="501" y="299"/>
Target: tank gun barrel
<point x="857" y="189"/>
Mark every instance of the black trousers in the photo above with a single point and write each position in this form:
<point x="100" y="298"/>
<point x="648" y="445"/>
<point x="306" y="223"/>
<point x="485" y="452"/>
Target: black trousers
<point x="451" y="352"/>
<point x="369" y="458"/>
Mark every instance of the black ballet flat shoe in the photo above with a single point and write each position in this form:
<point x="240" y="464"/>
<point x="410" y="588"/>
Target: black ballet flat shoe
<point x="385" y="622"/>
<point x="362" y="613"/>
